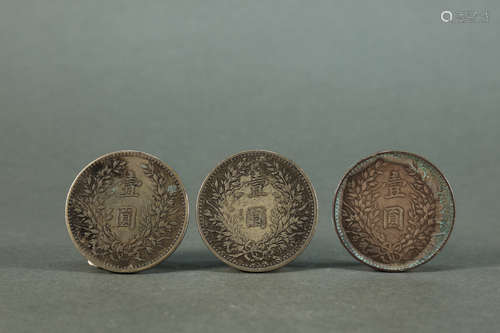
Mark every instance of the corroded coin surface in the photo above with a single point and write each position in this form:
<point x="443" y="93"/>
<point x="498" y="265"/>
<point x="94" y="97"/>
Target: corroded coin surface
<point x="394" y="211"/>
<point x="257" y="211"/>
<point x="126" y="211"/>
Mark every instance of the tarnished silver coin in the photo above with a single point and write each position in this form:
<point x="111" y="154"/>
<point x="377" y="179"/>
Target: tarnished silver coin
<point x="394" y="211"/>
<point x="126" y="211"/>
<point x="257" y="211"/>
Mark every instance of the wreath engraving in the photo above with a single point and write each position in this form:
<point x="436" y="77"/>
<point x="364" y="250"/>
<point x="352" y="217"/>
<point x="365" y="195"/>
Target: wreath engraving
<point x="362" y="216"/>
<point x="90" y="218"/>
<point x="288" y="219"/>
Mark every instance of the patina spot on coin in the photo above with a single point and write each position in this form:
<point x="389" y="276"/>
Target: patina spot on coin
<point x="257" y="211"/>
<point x="126" y="211"/>
<point x="394" y="211"/>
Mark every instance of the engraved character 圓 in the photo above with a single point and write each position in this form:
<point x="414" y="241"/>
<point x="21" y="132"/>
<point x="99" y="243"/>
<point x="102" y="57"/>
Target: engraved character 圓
<point x="256" y="217"/>
<point x="394" y="218"/>
<point x="126" y="217"/>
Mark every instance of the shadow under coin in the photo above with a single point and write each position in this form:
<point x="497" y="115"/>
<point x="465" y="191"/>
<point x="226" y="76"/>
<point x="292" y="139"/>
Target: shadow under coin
<point x="307" y="266"/>
<point x="194" y="260"/>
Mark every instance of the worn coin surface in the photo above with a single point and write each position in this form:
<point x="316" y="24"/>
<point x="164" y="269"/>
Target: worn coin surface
<point x="126" y="211"/>
<point x="394" y="211"/>
<point x="257" y="211"/>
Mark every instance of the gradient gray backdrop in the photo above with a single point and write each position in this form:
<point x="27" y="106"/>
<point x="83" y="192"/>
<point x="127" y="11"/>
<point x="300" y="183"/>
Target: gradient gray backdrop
<point x="325" y="83"/>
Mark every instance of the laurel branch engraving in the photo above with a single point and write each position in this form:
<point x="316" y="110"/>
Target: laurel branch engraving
<point x="288" y="217"/>
<point x="90" y="218"/>
<point x="362" y="217"/>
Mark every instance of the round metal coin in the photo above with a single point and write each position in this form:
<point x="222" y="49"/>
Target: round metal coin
<point x="126" y="211"/>
<point x="257" y="211"/>
<point x="394" y="211"/>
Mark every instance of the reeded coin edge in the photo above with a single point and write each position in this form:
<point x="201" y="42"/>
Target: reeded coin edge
<point x="446" y="199"/>
<point x="167" y="252"/>
<point x="289" y="259"/>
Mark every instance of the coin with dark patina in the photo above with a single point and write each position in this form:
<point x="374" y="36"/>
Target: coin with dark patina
<point x="257" y="211"/>
<point x="394" y="211"/>
<point x="126" y="211"/>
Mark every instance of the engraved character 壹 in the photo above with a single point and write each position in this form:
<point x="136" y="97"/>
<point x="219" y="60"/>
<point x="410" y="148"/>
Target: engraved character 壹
<point x="257" y="183"/>
<point x="394" y="186"/>
<point x="129" y="185"/>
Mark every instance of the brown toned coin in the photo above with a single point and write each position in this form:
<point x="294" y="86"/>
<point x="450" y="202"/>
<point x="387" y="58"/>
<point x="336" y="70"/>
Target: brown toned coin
<point x="126" y="211"/>
<point x="394" y="211"/>
<point x="257" y="211"/>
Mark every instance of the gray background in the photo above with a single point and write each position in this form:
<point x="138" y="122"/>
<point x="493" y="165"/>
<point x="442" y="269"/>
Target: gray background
<point x="324" y="83"/>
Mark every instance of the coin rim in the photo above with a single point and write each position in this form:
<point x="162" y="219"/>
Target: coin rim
<point x="401" y="268"/>
<point x="288" y="260"/>
<point x="173" y="247"/>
